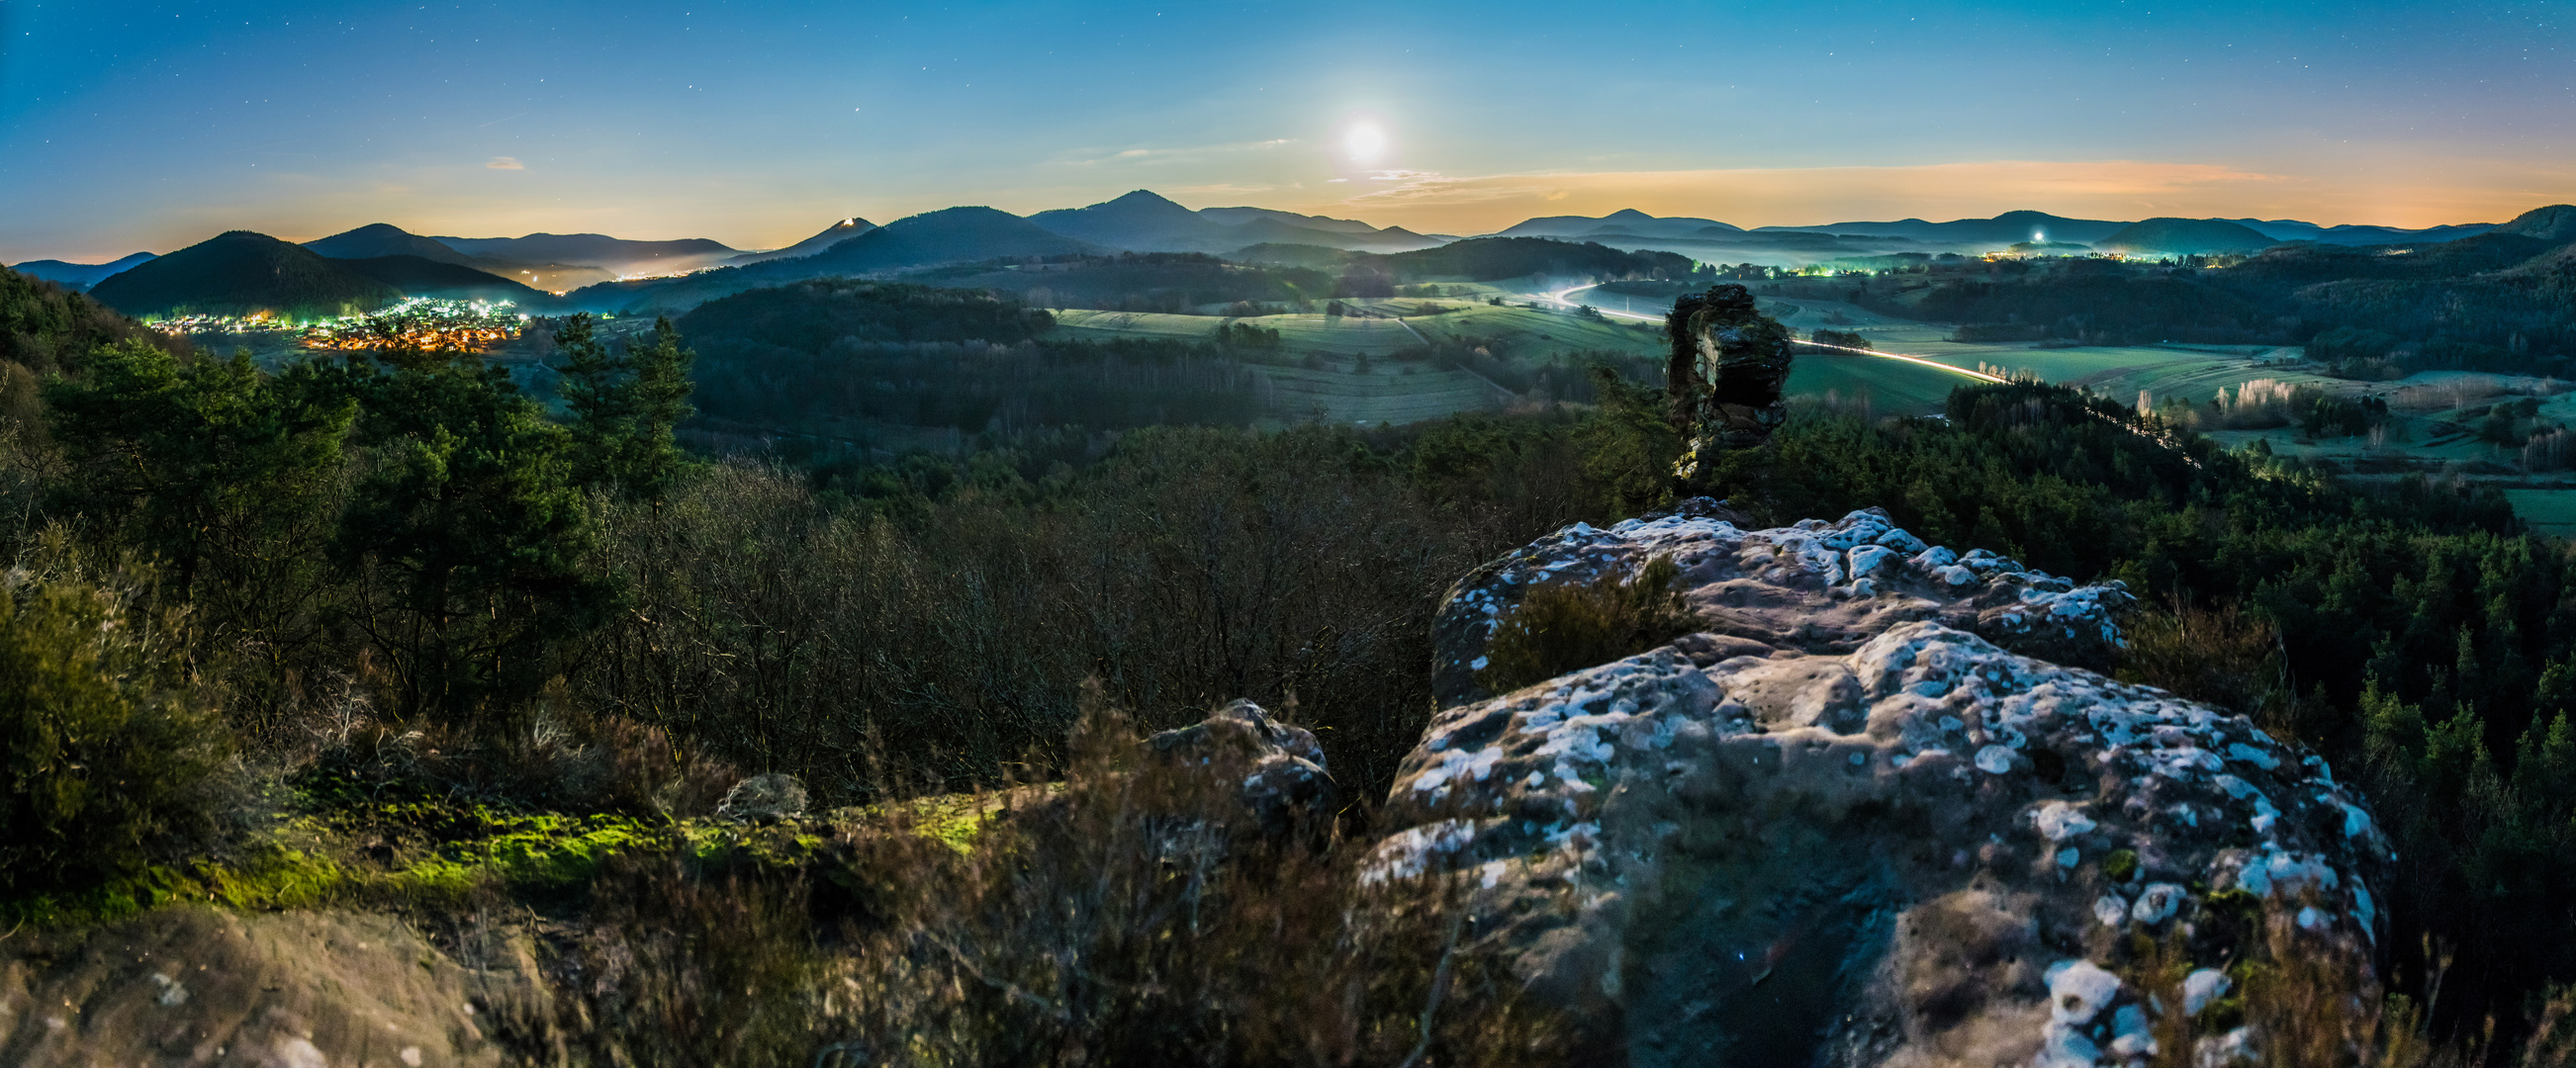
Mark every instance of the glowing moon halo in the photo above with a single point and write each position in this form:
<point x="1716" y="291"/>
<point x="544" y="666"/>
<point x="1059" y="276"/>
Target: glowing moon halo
<point x="1365" y="141"/>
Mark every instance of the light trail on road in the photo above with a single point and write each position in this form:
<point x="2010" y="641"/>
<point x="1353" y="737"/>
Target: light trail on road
<point x="1936" y="365"/>
<point x="1560" y="297"/>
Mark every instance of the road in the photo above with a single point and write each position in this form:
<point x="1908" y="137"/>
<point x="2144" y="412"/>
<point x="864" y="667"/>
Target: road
<point x="1564" y="298"/>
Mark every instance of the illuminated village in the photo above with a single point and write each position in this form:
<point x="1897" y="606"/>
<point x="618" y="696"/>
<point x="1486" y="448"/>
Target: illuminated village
<point x="419" y="322"/>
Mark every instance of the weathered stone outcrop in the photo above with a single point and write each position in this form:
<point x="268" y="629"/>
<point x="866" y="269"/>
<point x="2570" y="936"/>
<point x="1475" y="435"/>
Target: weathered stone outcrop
<point x="1853" y="826"/>
<point x="1815" y="587"/>
<point x="1726" y="377"/>
<point x="1280" y="767"/>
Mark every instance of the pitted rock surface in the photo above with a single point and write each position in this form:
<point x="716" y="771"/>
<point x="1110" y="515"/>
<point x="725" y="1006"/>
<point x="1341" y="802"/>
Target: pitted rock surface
<point x="1281" y="767"/>
<point x="1812" y="587"/>
<point x="1896" y="844"/>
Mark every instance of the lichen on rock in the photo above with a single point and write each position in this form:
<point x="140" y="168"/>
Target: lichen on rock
<point x="1859" y="822"/>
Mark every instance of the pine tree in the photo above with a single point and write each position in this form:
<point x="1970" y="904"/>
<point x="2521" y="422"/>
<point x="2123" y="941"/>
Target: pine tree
<point x="625" y="409"/>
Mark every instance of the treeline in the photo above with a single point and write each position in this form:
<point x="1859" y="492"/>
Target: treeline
<point x="812" y="315"/>
<point x="1169" y="282"/>
<point x="846" y="359"/>
<point x="2100" y="302"/>
<point x="973" y="385"/>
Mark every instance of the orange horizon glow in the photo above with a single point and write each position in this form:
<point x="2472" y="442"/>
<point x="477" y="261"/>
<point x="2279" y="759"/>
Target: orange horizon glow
<point x="2109" y="189"/>
<point x="1430" y="202"/>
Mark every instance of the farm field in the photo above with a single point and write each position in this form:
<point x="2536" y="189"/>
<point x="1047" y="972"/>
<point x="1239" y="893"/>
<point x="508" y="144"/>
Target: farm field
<point x="2195" y="374"/>
<point x="1890" y="386"/>
<point x="2548" y="511"/>
<point x="1522" y="328"/>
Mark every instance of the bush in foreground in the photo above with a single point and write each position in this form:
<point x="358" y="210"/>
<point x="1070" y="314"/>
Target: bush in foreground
<point x="107" y="754"/>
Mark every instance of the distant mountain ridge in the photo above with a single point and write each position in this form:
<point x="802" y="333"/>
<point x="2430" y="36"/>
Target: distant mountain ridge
<point x="522" y="268"/>
<point x="1625" y="221"/>
<point x="615" y="254"/>
<point x="831" y="235"/>
<point x="2004" y="229"/>
<point x="385" y="239"/>
<point x="79" y="276"/>
<point x="1145" y="221"/>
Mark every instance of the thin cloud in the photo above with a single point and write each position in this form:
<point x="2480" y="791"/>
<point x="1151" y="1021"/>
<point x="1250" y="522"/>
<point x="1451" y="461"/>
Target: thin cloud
<point x="1094" y="156"/>
<point x="506" y="163"/>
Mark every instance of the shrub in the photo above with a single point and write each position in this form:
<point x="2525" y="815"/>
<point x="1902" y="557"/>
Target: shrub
<point x="2220" y="655"/>
<point x="1135" y="914"/>
<point x="106" y="757"/>
<point x="1558" y="629"/>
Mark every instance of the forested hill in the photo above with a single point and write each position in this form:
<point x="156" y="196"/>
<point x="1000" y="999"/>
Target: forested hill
<point x="46" y="330"/>
<point x="808" y="316"/>
<point x="853" y="362"/>
<point x="1488" y="258"/>
<point x="243" y="273"/>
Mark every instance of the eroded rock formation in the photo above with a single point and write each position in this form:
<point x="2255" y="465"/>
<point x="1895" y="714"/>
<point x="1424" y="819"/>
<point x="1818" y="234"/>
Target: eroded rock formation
<point x="1725" y="377"/>
<point x="1852" y="825"/>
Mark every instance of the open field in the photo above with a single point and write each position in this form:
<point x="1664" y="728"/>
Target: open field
<point x="2548" y="511"/>
<point x="1528" y="331"/>
<point x="1889" y="386"/>
<point x="1385" y="395"/>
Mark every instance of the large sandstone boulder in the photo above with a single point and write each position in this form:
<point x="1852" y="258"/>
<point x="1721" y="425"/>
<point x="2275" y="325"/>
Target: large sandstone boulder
<point x="1815" y="587"/>
<point x="1854" y="827"/>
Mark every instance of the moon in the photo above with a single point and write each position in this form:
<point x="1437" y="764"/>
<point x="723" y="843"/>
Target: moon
<point x="1365" y="141"/>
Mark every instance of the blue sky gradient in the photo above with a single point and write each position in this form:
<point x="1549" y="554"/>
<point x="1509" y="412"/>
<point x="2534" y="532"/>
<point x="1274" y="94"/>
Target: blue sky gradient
<point x="153" y="125"/>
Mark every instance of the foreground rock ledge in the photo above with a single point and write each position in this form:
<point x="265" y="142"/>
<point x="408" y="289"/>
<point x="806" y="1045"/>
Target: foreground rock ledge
<point x="1853" y="829"/>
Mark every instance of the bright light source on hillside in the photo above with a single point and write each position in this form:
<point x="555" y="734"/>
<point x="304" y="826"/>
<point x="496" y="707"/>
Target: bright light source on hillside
<point x="1365" y="141"/>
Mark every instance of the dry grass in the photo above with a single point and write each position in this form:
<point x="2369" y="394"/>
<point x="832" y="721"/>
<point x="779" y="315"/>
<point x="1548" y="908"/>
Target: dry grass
<point x="1136" y="914"/>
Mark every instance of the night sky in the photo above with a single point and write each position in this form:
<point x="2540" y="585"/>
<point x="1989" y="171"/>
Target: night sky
<point x="131" y="126"/>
